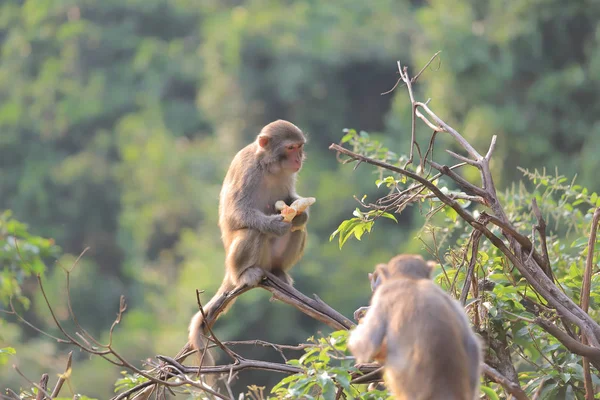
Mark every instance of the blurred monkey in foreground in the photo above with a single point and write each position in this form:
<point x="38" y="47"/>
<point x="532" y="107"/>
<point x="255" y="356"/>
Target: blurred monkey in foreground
<point x="419" y="333"/>
<point x="255" y="236"/>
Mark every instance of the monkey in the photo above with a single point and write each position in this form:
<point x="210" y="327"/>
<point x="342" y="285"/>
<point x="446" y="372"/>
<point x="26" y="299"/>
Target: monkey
<point x="255" y="237"/>
<point x="419" y="333"/>
<point x="374" y="281"/>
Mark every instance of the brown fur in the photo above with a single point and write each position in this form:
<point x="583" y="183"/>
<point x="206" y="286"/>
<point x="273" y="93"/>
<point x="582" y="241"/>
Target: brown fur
<point x="419" y="333"/>
<point x="255" y="237"/>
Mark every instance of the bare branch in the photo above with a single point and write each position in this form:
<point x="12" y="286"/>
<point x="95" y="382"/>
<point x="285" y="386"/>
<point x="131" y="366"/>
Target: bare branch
<point x="532" y="272"/>
<point x="512" y="388"/>
<point x="433" y="57"/>
<point x="488" y="156"/>
<point x="462" y="158"/>
<point x="63" y="377"/>
<point x="314" y="308"/>
<point x="43" y="387"/>
<point x="471" y="268"/>
<point x="457" y="136"/>
<point x="591" y="353"/>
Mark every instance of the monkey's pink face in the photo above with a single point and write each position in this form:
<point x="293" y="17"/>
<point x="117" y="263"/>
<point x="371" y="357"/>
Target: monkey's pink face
<point x="294" y="155"/>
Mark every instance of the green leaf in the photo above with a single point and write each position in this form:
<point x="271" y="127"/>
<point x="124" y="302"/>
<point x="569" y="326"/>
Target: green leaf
<point x="285" y="381"/>
<point x="580" y="242"/>
<point x="389" y="216"/>
<point x="343" y="379"/>
<point x="351" y="133"/>
<point x="451" y="213"/>
<point x="5" y="354"/>
<point x="489" y="392"/>
<point x="358" y="214"/>
<point x="345" y="235"/>
<point x="8" y="350"/>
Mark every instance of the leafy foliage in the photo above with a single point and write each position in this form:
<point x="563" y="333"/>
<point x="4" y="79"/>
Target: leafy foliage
<point x="22" y="255"/>
<point x="327" y="370"/>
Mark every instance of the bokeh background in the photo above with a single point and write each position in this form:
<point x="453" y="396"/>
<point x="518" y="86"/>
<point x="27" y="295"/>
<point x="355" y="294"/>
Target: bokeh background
<point x="118" y="119"/>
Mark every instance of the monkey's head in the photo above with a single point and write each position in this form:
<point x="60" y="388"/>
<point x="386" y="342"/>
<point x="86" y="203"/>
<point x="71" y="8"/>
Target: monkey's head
<point x="411" y="266"/>
<point x="281" y="147"/>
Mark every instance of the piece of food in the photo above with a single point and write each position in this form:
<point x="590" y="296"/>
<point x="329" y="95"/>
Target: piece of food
<point x="303" y="203"/>
<point x="297" y="207"/>
<point x="288" y="214"/>
<point x="280" y="205"/>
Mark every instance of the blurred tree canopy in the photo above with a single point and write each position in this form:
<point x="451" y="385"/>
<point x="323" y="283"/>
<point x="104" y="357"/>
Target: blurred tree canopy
<point x="118" y="119"/>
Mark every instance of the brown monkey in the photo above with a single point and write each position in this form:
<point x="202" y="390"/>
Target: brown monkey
<point x="359" y="314"/>
<point x="255" y="237"/>
<point x="419" y="333"/>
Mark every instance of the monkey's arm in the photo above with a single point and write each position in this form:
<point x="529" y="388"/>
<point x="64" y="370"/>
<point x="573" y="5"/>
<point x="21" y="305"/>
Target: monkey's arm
<point x="258" y="220"/>
<point x="472" y="344"/>
<point x="360" y="312"/>
<point x="366" y="340"/>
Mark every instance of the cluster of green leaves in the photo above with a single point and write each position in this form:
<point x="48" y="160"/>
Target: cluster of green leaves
<point x="363" y="220"/>
<point x="128" y="381"/>
<point x="21" y="256"/>
<point x="327" y="369"/>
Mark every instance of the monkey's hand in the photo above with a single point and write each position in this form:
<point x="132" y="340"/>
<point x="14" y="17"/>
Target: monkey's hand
<point x="277" y="226"/>
<point x="299" y="221"/>
<point x="360" y="313"/>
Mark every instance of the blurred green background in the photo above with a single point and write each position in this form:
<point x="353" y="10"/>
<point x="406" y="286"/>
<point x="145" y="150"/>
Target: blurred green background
<point x="118" y="119"/>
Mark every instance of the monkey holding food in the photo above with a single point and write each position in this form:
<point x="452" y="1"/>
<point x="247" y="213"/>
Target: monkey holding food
<point x="419" y="333"/>
<point x="255" y="236"/>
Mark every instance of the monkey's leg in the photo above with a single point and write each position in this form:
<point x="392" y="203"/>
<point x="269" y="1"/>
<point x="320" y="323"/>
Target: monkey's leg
<point x="247" y="257"/>
<point x="292" y="252"/>
<point x="300" y="219"/>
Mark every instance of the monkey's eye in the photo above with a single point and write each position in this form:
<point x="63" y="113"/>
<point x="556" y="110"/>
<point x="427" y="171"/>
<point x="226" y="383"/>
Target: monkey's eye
<point x="291" y="147"/>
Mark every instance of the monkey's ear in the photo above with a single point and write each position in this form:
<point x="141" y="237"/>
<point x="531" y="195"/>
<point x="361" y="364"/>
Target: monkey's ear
<point x="263" y="140"/>
<point x="430" y="267"/>
<point x="370" y="276"/>
<point x="383" y="270"/>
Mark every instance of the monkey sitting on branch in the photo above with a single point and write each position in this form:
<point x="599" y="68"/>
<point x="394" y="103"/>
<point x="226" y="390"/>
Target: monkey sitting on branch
<point x="419" y="333"/>
<point x="256" y="238"/>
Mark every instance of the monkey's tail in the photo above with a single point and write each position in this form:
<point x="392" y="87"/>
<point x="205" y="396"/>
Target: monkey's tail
<point x="198" y="328"/>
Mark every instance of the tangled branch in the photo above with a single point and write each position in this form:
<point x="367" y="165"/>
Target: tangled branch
<point x="533" y="264"/>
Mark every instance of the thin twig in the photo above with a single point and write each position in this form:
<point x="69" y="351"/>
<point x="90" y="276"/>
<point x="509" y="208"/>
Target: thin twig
<point x="471" y="268"/>
<point x="63" y="377"/>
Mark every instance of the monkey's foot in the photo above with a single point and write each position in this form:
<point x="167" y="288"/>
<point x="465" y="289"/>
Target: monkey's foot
<point x="251" y="277"/>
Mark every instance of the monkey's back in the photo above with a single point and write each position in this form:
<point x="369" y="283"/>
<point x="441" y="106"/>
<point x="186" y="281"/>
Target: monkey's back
<point x="238" y="183"/>
<point x="429" y="359"/>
